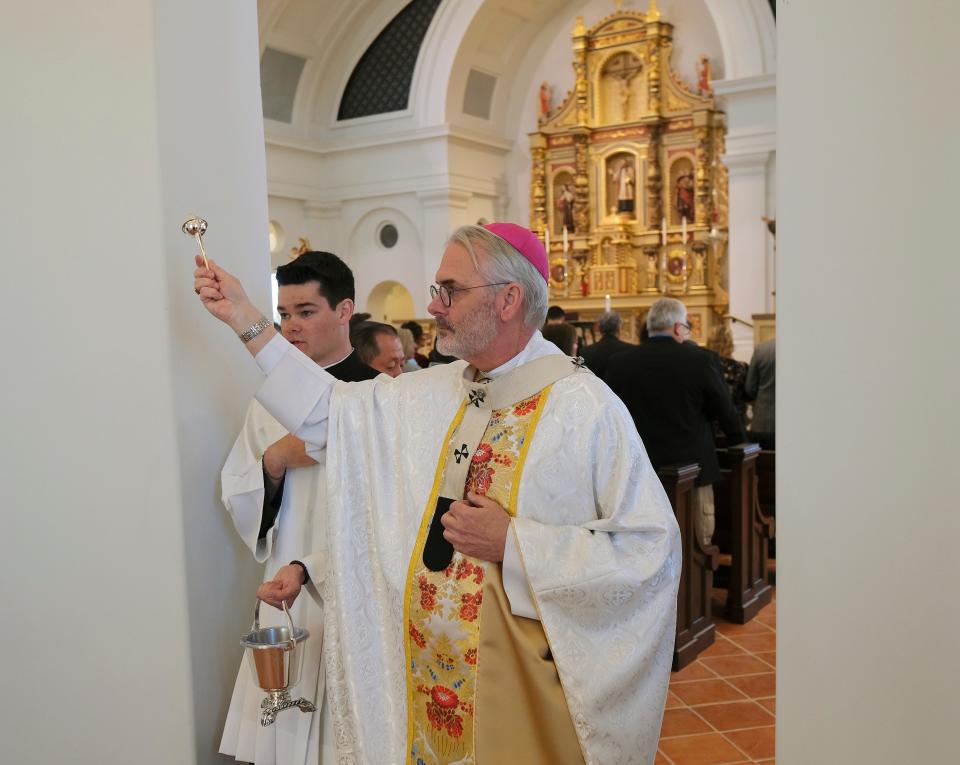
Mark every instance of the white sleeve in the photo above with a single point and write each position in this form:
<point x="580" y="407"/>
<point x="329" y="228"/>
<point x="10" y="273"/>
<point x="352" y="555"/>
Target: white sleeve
<point x="515" y="580"/>
<point x="242" y="479"/>
<point x="296" y="392"/>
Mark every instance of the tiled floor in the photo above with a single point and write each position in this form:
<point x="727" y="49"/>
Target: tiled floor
<point x="721" y="708"/>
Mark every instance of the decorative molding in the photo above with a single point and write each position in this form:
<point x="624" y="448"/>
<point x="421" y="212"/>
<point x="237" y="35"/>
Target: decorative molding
<point x="453" y="134"/>
<point x="444" y="198"/>
<point x="322" y="210"/>
<point x="755" y="84"/>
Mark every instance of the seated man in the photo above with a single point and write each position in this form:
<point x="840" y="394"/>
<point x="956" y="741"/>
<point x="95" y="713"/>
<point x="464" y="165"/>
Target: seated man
<point x="503" y="563"/>
<point x="674" y="392"/>
<point x="269" y="487"/>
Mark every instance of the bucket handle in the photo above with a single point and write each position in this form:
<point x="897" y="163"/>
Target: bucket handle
<point x="256" y="621"/>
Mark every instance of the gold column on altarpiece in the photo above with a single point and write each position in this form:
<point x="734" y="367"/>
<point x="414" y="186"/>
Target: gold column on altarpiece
<point x="538" y="185"/>
<point x="581" y="183"/>
<point x="581" y="87"/>
<point x="703" y="167"/>
<point x="654" y="179"/>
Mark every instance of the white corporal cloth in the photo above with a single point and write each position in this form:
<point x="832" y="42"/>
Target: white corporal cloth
<point x="599" y="545"/>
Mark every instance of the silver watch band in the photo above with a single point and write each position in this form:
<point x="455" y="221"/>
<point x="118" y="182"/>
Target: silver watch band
<point x="255" y="329"/>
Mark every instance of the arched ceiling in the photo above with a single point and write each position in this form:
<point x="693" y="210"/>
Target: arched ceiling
<point x="503" y="39"/>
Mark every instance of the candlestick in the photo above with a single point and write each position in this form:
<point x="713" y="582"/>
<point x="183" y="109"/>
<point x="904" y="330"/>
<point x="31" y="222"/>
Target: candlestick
<point x="663" y="232"/>
<point x="546" y="240"/>
<point x="606" y="304"/>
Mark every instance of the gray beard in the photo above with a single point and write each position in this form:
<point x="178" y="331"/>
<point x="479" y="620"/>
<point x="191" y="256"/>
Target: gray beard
<point x="476" y="332"/>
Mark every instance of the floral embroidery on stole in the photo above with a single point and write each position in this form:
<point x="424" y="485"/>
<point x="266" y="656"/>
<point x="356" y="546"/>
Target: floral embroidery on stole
<point x="443" y="608"/>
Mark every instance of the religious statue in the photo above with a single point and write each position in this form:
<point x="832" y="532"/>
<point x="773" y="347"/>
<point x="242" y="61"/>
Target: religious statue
<point x="302" y="246"/>
<point x="565" y="201"/>
<point x="546" y="96"/>
<point x="651" y="272"/>
<point x="624" y="178"/>
<point x="696" y="278"/>
<point x="704" y="75"/>
<point x="685" y="195"/>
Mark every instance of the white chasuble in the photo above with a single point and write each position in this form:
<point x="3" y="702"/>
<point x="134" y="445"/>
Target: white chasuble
<point x="294" y="739"/>
<point x="593" y="532"/>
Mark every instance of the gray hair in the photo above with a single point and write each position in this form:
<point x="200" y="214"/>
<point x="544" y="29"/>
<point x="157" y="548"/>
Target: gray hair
<point x="505" y="264"/>
<point x="664" y="314"/>
<point x="609" y="323"/>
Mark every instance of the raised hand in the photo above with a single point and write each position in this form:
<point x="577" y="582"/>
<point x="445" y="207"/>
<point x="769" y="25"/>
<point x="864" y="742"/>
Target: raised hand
<point x="223" y="296"/>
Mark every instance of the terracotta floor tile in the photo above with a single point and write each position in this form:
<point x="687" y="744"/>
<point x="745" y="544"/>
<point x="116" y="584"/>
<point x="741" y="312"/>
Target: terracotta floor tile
<point x="753" y="627"/>
<point x="723" y="647"/>
<point x="708" y="749"/>
<point x="735" y="715"/>
<point x="768" y="616"/>
<point x="757" y="743"/>
<point x="661" y="759"/>
<point x="727" y="666"/>
<point x="755" y="643"/>
<point x="673" y="701"/>
<point x="682" y="722"/>
<point x="769" y="704"/>
<point x="695" y="671"/>
<point x="756" y="686"/>
<point x="768" y="656"/>
<point x="707" y="692"/>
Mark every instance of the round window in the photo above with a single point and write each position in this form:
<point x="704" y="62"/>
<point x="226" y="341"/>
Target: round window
<point x="388" y="235"/>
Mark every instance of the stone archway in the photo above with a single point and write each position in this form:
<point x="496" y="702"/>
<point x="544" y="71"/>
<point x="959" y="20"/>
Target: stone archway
<point x="390" y="301"/>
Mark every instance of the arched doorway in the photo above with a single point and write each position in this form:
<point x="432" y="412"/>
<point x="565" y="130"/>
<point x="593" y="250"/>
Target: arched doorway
<point x="390" y="301"/>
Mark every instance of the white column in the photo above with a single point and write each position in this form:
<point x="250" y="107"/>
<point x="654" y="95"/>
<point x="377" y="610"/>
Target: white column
<point x="749" y="277"/>
<point x="123" y="587"/>
<point x="750" y="104"/>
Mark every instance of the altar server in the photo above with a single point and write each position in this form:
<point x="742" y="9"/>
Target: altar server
<point x="501" y="560"/>
<point x="271" y="489"/>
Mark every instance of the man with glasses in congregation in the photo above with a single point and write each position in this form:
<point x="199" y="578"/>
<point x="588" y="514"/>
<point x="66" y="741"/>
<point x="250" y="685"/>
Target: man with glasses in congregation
<point x="502" y="562"/>
<point x="674" y="392"/>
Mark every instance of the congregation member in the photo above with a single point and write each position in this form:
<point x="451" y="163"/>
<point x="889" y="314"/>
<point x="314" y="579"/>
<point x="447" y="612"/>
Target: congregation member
<point x="270" y="487"/>
<point x="761" y="388"/>
<point x="674" y="392"/>
<point x="417" y="330"/>
<point x="502" y="563"/>
<point x="409" y="350"/>
<point x="556" y="315"/>
<point x="378" y="346"/>
<point x="563" y="335"/>
<point x="596" y="356"/>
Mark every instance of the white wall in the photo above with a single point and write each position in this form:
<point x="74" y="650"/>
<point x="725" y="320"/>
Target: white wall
<point x="868" y="515"/>
<point x="123" y="587"/>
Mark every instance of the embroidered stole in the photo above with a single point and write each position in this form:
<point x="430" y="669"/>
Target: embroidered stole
<point x="484" y="453"/>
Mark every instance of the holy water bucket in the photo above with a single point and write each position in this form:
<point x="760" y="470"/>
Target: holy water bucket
<point x="276" y="657"/>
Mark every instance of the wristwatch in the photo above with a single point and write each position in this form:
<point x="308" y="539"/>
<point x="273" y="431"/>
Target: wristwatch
<point x="255" y="329"/>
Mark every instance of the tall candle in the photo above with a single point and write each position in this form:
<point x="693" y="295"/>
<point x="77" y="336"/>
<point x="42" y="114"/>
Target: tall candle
<point x="683" y="229"/>
<point x="565" y="243"/>
<point x="546" y="239"/>
<point x="606" y="304"/>
<point x="663" y="232"/>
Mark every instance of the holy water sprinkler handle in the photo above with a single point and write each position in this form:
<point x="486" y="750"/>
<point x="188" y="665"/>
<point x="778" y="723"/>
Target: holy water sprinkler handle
<point x="196" y="227"/>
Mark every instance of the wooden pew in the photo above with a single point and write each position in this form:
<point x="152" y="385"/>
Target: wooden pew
<point x="767" y="494"/>
<point x="695" y="628"/>
<point x="743" y="531"/>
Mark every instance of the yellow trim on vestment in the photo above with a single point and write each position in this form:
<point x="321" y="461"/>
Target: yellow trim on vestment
<point x="418" y="544"/>
<point x="528" y="437"/>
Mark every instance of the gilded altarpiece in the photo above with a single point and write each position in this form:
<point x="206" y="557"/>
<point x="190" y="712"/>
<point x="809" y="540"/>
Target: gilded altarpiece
<point x="630" y="159"/>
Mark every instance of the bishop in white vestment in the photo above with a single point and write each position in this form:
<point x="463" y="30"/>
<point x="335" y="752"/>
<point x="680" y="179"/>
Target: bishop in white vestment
<point x="502" y="560"/>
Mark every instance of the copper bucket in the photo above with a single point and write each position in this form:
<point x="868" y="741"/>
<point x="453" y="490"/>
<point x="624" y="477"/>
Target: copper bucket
<point x="276" y="658"/>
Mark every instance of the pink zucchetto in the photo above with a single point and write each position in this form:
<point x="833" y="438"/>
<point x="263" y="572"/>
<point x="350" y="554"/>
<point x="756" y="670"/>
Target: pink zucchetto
<point x="525" y="242"/>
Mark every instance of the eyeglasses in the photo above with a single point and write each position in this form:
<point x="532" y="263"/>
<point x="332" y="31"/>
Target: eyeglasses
<point x="686" y="327"/>
<point x="445" y="293"/>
